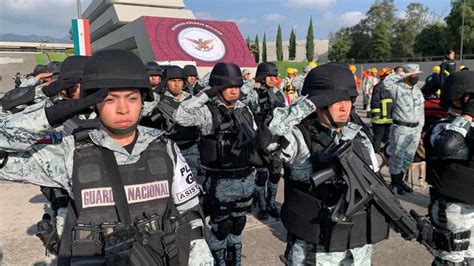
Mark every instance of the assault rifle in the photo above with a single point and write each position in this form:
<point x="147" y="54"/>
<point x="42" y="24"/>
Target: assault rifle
<point x="365" y="186"/>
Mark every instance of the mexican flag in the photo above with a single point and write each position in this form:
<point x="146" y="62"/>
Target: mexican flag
<point x="81" y="36"/>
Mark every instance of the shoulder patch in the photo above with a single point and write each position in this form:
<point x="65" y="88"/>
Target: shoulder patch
<point x="155" y="132"/>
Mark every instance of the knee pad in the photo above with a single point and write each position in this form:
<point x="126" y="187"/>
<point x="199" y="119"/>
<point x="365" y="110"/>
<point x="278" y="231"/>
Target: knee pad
<point x="262" y="177"/>
<point x="224" y="228"/>
<point x="238" y="224"/>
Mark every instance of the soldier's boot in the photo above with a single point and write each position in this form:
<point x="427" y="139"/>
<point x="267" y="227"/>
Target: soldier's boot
<point x="234" y="254"/>
<point x="219" y="257"/>
<point x="271" y="200"/>
<point x="262" y="204"/>
<point x="404" y="185"/>
<point x="397" y="182"/>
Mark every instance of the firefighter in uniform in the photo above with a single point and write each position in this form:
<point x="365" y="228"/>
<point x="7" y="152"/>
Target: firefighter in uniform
<point x="304" y="132"/>
<point x="132" y="200"/>
<point x="449" y="147"/>
<point x="226" y="145"/>
<point x="381" y="114"/>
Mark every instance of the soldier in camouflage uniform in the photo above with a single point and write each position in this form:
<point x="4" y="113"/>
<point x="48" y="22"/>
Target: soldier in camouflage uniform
<point x="450" y="171"/>
<point x="161" y="117"/>
<point x="303" y="133"/>
<point x="120" y="177"/>
<point x="226" y="145"/>
<point x="408" y="120"/>
<point x="268" y="175"/>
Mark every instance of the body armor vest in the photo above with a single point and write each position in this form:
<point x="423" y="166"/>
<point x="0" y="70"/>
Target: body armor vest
<point x="306" y="211"/>
<point x="225" y="149"/>
<point x="184" y="137"/>
<point x="267" y="100"/>
<point x="452" y="179"/>
<point x="94" y="230"/>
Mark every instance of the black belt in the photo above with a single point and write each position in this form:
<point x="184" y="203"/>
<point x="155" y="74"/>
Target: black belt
<point x="228" y="173"/>
<point x="405" y="124"/>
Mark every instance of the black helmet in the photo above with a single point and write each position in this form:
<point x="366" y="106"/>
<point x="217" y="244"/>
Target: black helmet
<point x="71" y="70"/>
<point x="226" y="75"/>
<point x="456" y="86"/>
<point x="190" y="70"/>
<point x="39" y="69"/>
<point x="329" y="83"/>
<point x="153" y="69"/>
<point x="174" y="72"/>
<point x="115" y="69"/>
<point x="264" y="70"/>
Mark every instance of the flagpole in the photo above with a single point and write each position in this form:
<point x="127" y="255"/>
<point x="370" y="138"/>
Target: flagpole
<point x="79" y="9"/>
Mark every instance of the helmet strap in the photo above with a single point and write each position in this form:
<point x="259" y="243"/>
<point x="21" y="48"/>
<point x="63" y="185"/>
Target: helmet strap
<point x="331" y="120"/>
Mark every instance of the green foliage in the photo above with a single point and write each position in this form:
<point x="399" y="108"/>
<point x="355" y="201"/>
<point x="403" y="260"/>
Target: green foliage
<point x="279" y="45"/>
<point x="454" y="25"/>
<point x="432" y="40"/>
<point x="264" y="48"/>
<point x="255" y="49"/>
<point x="310" y="42"/>
<point x="381" y="47"/>
<point x="292" y="46"/>
<point x="340" y="44"/>
<point x="406" y="30"/>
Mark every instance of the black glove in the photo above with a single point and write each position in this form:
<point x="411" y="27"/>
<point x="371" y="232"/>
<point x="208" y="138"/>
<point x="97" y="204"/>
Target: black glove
<point x="468" y="108"/>
<point x="52" y="89"/>
<point x="64" y="110"/>
<point x="212" y="91"/>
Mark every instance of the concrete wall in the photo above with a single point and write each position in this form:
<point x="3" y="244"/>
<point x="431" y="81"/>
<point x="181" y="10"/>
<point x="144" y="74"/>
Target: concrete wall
<point x="426" y="67"/>
<point x="320" y="50"/>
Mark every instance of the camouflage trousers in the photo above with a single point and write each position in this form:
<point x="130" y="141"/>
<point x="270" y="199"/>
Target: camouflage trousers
<point x="403" y="143"/>
<point x="356" y="256"/>
<point x="229" y="191"/>
<point x="456" y="217"/>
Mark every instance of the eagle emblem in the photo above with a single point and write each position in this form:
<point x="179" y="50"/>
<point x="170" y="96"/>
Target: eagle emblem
<point x="202" y="45"/>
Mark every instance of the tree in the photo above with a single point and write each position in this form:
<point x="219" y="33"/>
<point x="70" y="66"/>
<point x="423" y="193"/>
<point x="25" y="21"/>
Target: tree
<point x="454" y="25"/>
<point x="247" y="41"/>
<point x="381" y="41"/>
<point x="255" y="50"/>
<point x="432" y="40"/>
<point x="340" y="45"/>
<point x="406" y="30"/>
<point x="264" y="48"/>
<point x="292" y="46"/>
<point x="279" y="45"/>
<point x="310" y="42"/>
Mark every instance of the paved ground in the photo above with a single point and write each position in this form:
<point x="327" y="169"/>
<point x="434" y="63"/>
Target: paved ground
<point x="21" y="206"/>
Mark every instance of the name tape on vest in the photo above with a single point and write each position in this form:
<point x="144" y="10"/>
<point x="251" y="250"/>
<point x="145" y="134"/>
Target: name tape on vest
<point x="99" y="197"/>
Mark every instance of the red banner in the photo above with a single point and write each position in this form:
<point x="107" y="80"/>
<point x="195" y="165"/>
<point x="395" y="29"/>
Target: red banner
<point x="204" y="41"/>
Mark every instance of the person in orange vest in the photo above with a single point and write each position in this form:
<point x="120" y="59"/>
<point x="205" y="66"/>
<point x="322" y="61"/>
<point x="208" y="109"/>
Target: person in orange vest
<point x="353" y="69"/>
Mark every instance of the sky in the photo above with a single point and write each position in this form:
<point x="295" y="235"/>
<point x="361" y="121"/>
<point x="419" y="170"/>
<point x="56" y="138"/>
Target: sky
<point x="53" y="17"/>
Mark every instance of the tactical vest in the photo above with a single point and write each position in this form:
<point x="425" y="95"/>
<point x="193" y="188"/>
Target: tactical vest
<point x="451" y="179"/>
<point x="223" y="152"/>
<point x="267" y="100"/>
<point x="184" y="137"/>
<point x="306" y="212"/>
<point x="96" y="230"/>
<point x="76" y="125"/>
